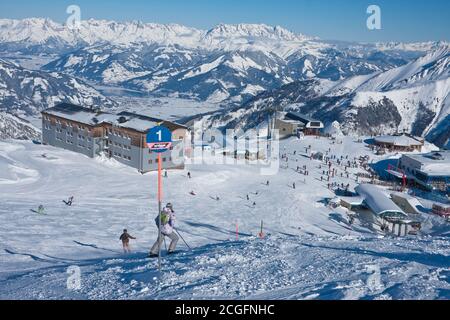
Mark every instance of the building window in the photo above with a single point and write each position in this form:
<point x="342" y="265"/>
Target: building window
<point x="150" y="161"/>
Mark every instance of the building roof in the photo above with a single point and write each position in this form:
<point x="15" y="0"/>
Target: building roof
<point x="434" y="163"/>
<point x="399" y="141"/>
<point x="300" y="117"/>
<point x="378" y="201"/>
<point x="144" y="123"/>
<point x="79" y="114"/>
<point x="94" y="117"/>
<point x="354" y="201"/>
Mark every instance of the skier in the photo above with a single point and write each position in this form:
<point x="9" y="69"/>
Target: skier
<point x="192" y="193"/>
<point x="69" y="202"/>
<point x="351" y="220"/>
<point x="41" y="209"/>
<point x="189" y="175"/>
<point x="166" y="174"/>
<point x="125" y="238"/>
<point x="293" y="185"/>
<point x="248" y="198"/>
<point x="167" y="229"/>
<point x="267" y="183"/>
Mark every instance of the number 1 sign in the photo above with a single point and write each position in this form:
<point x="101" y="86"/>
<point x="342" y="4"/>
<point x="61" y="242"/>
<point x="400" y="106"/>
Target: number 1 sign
<point x="159" y="139"/>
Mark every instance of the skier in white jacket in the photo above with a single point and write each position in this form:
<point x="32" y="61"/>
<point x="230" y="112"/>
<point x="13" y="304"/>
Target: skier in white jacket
<point x="168" y="219"/>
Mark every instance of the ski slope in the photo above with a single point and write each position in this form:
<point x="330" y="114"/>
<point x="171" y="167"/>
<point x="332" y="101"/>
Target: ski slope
<point x="310" y="252"/>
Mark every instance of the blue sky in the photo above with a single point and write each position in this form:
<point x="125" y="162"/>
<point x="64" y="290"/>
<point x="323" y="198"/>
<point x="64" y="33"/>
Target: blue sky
<point x="402" y="20"/>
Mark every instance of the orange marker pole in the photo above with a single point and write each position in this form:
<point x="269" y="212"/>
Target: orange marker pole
<point x="159" y="208"/>
<point x="159" y="178"/>
<point x="261" y="234"/>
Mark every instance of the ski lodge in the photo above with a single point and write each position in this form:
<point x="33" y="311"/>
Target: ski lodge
<point x="430" y="171"/>
<point x="399" y="143"/>
<point x="383" y="208"/>
<point x="293" y="124"/>
<point x="119" y="136"/>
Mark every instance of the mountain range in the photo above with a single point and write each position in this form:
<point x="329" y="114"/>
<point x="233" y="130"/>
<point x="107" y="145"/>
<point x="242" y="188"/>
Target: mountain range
<point x="412" y="98"/>
<point x="251" y="69"/>
<point x="228" y="63"/>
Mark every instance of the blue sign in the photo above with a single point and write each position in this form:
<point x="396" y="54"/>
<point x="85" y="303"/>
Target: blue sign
<point x="159" y="139"/>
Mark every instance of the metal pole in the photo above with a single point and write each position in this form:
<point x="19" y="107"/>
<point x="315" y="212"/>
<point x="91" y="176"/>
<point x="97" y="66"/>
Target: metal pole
<point x="182" y="239"/>
<point x="159" y="210"/>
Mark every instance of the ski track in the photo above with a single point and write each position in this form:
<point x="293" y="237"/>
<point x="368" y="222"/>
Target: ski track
<point x="311" y="252"/>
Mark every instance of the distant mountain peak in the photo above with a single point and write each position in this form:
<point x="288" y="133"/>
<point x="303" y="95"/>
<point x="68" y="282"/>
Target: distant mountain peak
<point x="254" y="30"/>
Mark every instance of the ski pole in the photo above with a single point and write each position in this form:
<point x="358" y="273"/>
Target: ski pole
<point x="183" y="239"/>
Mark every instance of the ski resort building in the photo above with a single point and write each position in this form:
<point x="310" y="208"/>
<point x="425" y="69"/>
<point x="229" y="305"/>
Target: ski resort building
<point x="393" y="218"/>
<point x="119" y="136"/>
<point x="430" y="170"/>
<point x="381" y="205"/>
<point x="386" y="210"/>
<point x="294" y="124"/>
<point x="399" y="143"/>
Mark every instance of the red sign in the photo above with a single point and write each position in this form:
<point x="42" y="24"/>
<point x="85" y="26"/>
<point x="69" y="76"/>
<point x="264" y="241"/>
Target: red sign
<point x="160" y="146"/>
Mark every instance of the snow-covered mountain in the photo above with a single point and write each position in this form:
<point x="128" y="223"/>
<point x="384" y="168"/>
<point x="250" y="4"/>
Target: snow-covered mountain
<point x="13" y="127"/>
<point x="113" y="64"/>
<point x="226" y="63"/>
<point x="413" y="97"/>
<point x="231" y="73"/>
<point x="29" y="33"/>
<point x="30" y="91"/>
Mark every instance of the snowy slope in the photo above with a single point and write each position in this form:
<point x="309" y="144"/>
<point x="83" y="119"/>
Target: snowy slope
<point x="311" y="251"/>
<point x="30" y="91"/>
<point x="330" y="268"/>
